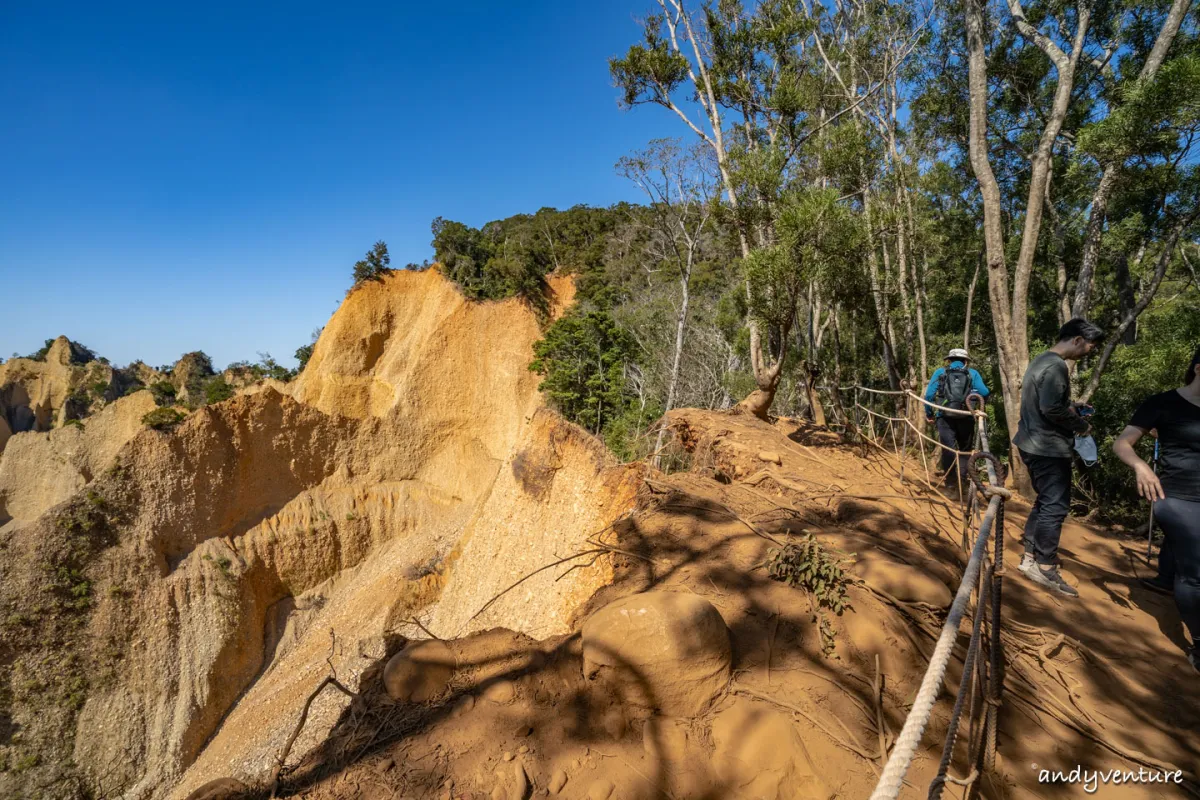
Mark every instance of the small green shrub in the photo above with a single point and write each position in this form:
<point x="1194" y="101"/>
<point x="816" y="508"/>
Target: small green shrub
<point x="216" y="390"/>
<point x="808" y="566"/>
<point x="224" y="566"/>
<point x="25" y="762"/>
<point x="163" y="418"/>
<point x="85" y="517"/>
<point x="99" y="388"/>
<point x="18" y="620"/>
<point x="374" y="265"/>
<point x="164" y="393"/>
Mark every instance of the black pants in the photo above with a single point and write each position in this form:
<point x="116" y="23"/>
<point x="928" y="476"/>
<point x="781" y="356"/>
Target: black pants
<point x="1051" y="478"/>
<point x="1180" y="521"/>
<point x="1166" y="564"/>
<point x="959" y="433"/>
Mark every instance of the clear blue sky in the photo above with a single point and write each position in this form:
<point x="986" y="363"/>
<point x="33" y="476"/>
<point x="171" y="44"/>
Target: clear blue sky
<point x="203" y="176"/>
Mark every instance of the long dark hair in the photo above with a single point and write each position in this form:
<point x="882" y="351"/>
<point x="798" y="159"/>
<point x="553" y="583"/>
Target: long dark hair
<point x="1191" y="373"/>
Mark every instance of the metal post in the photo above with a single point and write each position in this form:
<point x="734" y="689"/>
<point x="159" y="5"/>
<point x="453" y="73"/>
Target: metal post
<point x="1150" y="530"/>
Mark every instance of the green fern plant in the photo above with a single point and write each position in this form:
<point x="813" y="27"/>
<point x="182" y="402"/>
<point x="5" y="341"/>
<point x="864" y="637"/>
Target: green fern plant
<point x="819" y="573"/>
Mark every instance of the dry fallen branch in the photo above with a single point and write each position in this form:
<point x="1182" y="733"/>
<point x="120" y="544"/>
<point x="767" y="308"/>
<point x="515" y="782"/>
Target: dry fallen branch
<point x="287" y="748"/>
<point x="417" y="623"/>
<point x="881" y="727"/>
<point x="599" y="548"/>
<point x="725" y="510"/>
<point x="551" y="565"/>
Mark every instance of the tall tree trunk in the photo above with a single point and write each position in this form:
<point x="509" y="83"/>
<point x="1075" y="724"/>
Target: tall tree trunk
<point x="905" y="309"/>
<point x="907" y="236"/>
<point x="1086" y="283"/>
<point x="1042" y="162"/>
<point x="971" y="303"/>
<point x="879" y="297"/>
<point x="836" y="390"/>
<point x="673" y="383"/>
<point x="766" y="376"/>
<point x="1011" y="351"/>
<point x="812" y="363"/>
<point x="1058" y="256"/>
<point x="1126" y="297"/>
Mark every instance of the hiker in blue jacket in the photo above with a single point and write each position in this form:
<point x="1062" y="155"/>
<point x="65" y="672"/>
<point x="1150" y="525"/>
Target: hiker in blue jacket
<point x="950" y="386"/>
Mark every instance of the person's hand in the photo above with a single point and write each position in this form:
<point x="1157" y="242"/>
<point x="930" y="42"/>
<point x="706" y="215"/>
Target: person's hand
<point x="1148" y="484"/>
<point x="929" y="420"/>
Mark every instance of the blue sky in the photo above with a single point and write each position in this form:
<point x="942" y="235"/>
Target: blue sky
<point x="203" y="176"/>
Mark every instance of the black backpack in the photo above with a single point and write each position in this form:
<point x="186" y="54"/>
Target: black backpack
<point x="954" y="387"/>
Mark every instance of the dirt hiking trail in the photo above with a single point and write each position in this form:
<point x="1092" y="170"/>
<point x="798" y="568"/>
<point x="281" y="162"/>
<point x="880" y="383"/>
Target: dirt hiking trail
<point x="1099" y="682"/>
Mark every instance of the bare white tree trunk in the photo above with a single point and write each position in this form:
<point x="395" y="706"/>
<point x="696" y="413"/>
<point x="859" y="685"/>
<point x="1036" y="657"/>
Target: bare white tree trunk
<point x="1011" y="349"/>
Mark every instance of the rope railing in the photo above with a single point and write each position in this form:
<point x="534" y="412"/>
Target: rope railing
<point x="979" y="690"/>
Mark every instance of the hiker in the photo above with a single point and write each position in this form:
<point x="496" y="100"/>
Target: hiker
<point x="950" y="386"/>
<point x="1049" y="421"/>
<point x="1175" y="490"/>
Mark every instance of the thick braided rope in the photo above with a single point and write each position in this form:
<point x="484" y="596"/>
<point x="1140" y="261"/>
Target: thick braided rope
<point x="965" y="686"/>
<point x="995" y="677"/>
<point x="901" y="758"/>
<point x="996" y="672"/>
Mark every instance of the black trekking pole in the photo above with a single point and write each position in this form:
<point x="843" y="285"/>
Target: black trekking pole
<point x="1150" y="530"/>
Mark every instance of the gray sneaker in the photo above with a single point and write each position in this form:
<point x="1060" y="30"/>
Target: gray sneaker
<point x="1027" y="563"/>
<point x="1050" y="578"/>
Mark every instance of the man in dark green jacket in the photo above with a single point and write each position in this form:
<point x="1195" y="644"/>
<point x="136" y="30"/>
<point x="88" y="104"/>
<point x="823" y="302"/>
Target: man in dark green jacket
<point x="1045" y="440"/>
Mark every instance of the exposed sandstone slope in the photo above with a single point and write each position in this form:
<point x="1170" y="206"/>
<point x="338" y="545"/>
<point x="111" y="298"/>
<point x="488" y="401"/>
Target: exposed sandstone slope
<point x="41" y="470"/>
<point x="559" y="489"/>
<point x="34" y="394"/>
<point x="227" y="549"/>
<point x="68" y="384"/>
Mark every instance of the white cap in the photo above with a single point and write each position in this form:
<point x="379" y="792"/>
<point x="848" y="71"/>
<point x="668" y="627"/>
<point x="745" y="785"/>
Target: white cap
<point x="958" y="354"/>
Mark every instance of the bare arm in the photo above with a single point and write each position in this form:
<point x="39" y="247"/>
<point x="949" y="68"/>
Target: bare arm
<point x="1147" y="482"/>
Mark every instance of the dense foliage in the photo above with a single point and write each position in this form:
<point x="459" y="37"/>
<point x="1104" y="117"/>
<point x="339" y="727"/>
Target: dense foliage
<point x="374" y="265"/>
<point x="584" y="360"/>
<point x="511" y="257"/>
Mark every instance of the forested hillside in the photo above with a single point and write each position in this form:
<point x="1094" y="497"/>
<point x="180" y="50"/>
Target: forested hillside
<point x="856" y="189"/>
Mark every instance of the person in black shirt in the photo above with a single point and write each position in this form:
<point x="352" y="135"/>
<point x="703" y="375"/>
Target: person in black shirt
<point x="1049" y="423"/>
<point x="1175" y="490"/>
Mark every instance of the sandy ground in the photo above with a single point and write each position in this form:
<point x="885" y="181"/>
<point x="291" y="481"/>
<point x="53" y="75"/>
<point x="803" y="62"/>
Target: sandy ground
<point x="1099" y="682"/>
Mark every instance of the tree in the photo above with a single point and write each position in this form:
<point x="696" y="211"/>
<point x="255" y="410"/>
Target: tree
<point x="679" y="184"/>
<point x="1139" y="107"/>
<point x="818" y="244"/>
<point x="1078" y="102"/>
<point x="374" y="265"/>
<point x="304" y="352"/>
<point x="761" y="101"/>
<point x="583" y="358"/>
<point x="503" y="259"/>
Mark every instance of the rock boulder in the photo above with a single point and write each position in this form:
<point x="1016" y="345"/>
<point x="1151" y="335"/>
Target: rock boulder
<point x="660" y="650"/>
